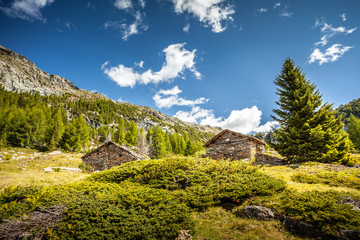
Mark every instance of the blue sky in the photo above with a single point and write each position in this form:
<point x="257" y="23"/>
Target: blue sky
<point x="209" y="62"/>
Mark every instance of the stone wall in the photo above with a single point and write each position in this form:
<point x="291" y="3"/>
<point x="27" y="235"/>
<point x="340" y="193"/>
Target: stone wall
<point x="108" y="156"/>
<point x="229" y="147"/>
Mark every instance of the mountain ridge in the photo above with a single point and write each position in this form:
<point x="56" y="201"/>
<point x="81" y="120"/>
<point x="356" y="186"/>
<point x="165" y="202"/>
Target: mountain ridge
<point x="17" y="73"/>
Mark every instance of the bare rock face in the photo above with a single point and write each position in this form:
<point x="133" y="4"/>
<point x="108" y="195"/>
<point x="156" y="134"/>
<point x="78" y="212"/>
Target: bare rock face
<point x="17" y="73"/>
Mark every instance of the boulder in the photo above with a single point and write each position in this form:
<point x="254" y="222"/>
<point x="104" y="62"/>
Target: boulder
<point x="257" y="212"/>
<point x="184" y="235"/>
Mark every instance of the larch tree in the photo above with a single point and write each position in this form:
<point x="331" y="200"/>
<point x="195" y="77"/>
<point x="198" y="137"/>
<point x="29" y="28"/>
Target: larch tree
<point x="309" y="130"/>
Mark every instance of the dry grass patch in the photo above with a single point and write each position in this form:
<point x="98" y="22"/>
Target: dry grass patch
<point x="25" y="167"/>
<point x="288" y="172"/>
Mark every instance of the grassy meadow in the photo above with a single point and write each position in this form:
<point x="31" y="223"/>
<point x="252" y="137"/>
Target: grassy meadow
<point x="156" y="199"/>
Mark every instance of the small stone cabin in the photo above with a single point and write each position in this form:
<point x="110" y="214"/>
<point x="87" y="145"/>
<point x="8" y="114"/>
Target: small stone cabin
<point x="234" y="146"/>
<point x="109" y="155"/>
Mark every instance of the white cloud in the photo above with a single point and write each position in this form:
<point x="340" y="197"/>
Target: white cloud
<point x="329" y="31"/>
<point x="123" y="4"/>
<point x="261" y="10"/>
<point x="331" y="54"/>
<point x="123" y="76"/>
<point x="343" y="17"/>
<point x="120" y="100"/>
<point x="142" y="3"/>
<point x="211" y="12"/>
<point x="286" y="14"/>
<point x="245" y="121"/>
<point x="128" y="29"/>
<point x="177" y="59"/>
<point x="186" y="28"/>
<point x="169" y="98"/>
<point x="277" y="5"/>
<point x="26" y="9"/>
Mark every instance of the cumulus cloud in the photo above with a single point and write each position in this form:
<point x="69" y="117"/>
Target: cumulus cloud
<point x="26" y="9"/>
<point x="123" y="4"/>
<point x="128" y="30"/>
<point x="329" y="31"/>
<point x="331" y="54"/>
<point x="343" y="17"/>
<point x="170" y="98"/>
<point x="177" y="60"/>
<point x="245" y="121"/>
<point x="261" y="10"/>
<point x="186" y="28"/>
<point x="211" y="12"/>
<point x="277" y="5"/>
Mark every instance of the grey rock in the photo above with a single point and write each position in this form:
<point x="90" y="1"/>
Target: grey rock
<point x="257" y="212"/>
<point x="355" y="205"/>
<point x="184" y="235"/>
<point x="18" y="73"/>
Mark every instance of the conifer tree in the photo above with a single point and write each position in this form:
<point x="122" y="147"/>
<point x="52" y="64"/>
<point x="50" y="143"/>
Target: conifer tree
<point x="190" y="148"/>
<point x="158" y="145"/>
<point x="55" y="131"/>
<point x="354" y="131"/>
<point x="76" y="135"/>
<point x="119" y="134"/>
<point x="131" y="136"/>
<point x="309" y="130"/>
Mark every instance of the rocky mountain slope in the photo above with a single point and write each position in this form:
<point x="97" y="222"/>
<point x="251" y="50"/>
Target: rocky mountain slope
<point x="17" y="73"/>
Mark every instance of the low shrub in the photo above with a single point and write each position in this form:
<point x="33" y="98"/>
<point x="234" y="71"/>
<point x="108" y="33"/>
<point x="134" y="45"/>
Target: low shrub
<point x="199" y="183"/>
<point x="324" y="210"/>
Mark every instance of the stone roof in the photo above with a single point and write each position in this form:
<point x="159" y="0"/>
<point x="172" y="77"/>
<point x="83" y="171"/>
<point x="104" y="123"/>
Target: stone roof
<point x="240" y="135"/>
<point x="124" y="149"/>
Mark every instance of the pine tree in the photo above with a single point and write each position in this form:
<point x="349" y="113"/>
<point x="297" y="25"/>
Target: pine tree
<point x="76" y="135"/>
<point x="119" y="136"/>
<point x="55" y="131"/>
<point x="309" y="130"/>
<point x="354" y="131"/>
<point x="190" y="148"/>
<point x="132" y="134"/>
<point x="158" y="144"/>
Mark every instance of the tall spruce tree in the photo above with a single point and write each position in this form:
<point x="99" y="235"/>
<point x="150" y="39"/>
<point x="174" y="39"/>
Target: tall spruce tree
<point x="309" y="130"/>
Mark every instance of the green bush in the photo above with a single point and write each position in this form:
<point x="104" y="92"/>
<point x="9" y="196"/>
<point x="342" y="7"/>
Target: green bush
<point x="104" y="210"/>
<point x="199" y="183"/>
<point x="322" y="209"/>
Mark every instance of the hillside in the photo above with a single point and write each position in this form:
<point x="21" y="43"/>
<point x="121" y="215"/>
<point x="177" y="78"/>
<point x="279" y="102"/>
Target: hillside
<point x="22" y="80"/>
<point x="352" y="107"/>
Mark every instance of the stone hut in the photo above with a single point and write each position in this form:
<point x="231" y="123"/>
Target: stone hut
<point x="234" y="146"/>
<point x="109" y="155"/>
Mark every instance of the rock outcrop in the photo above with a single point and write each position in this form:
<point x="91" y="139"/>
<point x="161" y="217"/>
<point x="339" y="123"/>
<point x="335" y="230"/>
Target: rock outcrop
<point x="17" y="73"/>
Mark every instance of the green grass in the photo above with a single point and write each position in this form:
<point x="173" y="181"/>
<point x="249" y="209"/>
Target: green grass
<point x="219" y="224"/>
